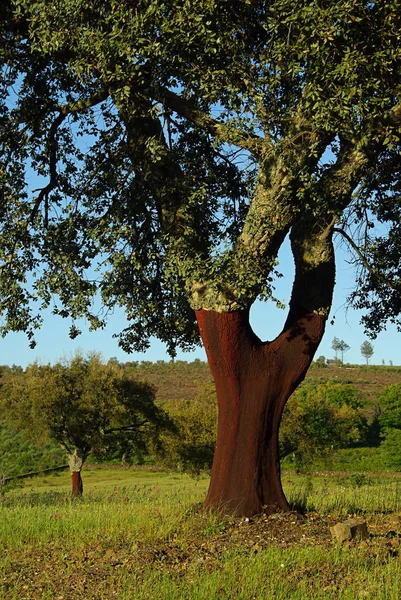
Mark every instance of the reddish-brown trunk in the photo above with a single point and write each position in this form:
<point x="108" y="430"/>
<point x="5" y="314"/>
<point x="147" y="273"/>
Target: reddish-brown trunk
<point x="253" y="382"/>
<point x="77" y="486"/>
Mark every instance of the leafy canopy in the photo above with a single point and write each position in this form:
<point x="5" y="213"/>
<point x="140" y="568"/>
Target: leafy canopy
<point x="175" y="146"/>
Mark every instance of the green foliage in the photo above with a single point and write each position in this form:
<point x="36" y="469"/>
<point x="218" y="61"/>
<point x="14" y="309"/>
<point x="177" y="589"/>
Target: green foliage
<point x="335" y="344"/>
<point x="191" y="448"/>
<point x="206" y="127"/>
<point x="359" y="479"/>
<point x="319" y="363"/>
<point x="83" y="404"/>
<point x="390" y="449"/>
<point x="359" y="459"/>
<point x="389" y="402"/>
<point x="18" y="455"/>
<point x="318" y="419"/>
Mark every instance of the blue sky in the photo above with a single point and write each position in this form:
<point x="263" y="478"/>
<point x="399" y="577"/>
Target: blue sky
<point x="53" y="341"/>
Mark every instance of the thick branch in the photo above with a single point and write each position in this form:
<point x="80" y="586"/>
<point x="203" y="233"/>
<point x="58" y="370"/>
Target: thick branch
<point x="249" y="141"/>
<point x="312" y="248"/>
<point x="64" y="112"/>
<point x="355" y="158"/>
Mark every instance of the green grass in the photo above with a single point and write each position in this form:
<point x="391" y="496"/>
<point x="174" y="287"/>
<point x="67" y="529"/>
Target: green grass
<point x="280" y="575"/>
<point x="139" y="534"/>
<point x="128" y="505"/>
<point x="343" y="495"/>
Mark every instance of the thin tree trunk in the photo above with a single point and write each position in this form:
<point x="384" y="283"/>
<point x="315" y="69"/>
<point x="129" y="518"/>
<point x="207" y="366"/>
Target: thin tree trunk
<point x="253" y="382"/>
<point x="76" y="461"/>
<point x="77" y="485"/>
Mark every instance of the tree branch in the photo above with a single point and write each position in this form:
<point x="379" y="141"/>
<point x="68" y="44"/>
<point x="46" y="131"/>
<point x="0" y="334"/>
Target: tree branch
<point x="64" y="112"/>
<point x="126" y="428"/>
<point x="312" y="249"/>
<point x="355" y="156"/>
<point x="249" y="141"/>
<point x="362" y="257"/>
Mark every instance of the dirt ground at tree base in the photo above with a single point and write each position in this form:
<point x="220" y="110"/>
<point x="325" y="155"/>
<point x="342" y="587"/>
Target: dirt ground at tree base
<point x="90" y="572"/>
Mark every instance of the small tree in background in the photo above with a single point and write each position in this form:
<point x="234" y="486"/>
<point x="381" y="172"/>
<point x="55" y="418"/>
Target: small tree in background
<point x="367" y="350"/>
<point x="339" y="346"/>
<point x="320" y="362"/>
<point x="336" y="346"/>
<point x="343" y="348"/>
<point x="85" y="405"/>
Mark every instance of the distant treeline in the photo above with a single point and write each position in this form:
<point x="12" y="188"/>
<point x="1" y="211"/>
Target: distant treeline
<point x="347" y="410"/>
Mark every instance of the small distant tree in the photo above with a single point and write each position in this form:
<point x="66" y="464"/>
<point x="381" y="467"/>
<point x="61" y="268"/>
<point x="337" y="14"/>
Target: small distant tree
<point x="321" y="361"/>
<point x="344" y="348"/>
<point x="367" y="350"/>
<point x="339" y="346"/>
<point x="85" y="405"/>
<point x="336" y="346"/>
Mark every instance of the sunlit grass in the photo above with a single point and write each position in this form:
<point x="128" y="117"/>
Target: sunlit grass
<point x="129" y="512"/>
<point x="341" y="496"/>
<point x="300" y="574"/>
<point x="148" y="506"/>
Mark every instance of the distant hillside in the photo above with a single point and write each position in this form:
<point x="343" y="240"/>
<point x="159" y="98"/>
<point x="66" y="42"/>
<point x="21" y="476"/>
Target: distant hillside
<point x="178" y="380"/>
<point x="181" y="380"/>
<point x="369" y="379"/>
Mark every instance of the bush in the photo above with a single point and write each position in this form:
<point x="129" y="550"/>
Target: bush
<point x="390" y="449"/>
<point x="319" y="419"/>
<point x="389" y="402"/>
<point x="191" y="448"/>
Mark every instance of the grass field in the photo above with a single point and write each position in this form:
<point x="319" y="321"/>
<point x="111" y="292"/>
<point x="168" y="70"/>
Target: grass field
<point x="140" y="534"/>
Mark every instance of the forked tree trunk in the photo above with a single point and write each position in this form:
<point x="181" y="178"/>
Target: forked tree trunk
<point x="253" y="382"/>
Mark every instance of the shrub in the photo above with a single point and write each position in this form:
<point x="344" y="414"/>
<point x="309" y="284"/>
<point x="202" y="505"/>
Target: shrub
<point x="191" y="448"/>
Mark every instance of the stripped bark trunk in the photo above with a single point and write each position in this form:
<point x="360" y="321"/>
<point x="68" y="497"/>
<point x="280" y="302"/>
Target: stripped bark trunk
<point x="76" y="461"/>
<point x="77" y="485"/>
<point x="253" y="382"/>
<point x="254" y="379"/>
